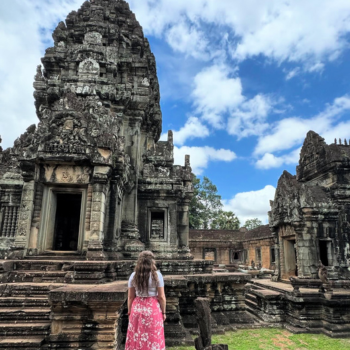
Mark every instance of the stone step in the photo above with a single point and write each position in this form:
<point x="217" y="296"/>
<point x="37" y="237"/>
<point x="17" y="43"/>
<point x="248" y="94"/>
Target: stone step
<point x="29" y="289"/>
<point x="295" y="330"/>
<point x="38" y="265"/>
<point x="12" y="314"/>
<point x="58" y="256"/>
<point x="21" y="343"/>
<point x="40" y="301"/>
<point x="24" y="329"/>
<point x="36" y="276"/>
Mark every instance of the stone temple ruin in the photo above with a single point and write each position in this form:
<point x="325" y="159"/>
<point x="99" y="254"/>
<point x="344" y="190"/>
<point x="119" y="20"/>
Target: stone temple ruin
<point x="309" y="220"/>
<point x="92" y="178"/>
<point x="91" y="186"/>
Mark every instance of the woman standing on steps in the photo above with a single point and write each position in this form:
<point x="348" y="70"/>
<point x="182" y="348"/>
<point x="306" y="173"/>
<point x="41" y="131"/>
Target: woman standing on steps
<point x="146" y="306"/>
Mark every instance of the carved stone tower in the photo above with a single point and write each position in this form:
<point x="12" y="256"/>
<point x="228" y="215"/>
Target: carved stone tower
<point x="92" y="178"/>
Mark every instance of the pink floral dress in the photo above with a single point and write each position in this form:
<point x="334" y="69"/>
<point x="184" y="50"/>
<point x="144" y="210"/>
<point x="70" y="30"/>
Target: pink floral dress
<point x="146" y="328"/>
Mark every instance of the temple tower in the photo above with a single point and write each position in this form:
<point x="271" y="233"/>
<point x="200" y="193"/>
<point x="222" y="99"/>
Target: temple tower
<point x="92" y="178"/>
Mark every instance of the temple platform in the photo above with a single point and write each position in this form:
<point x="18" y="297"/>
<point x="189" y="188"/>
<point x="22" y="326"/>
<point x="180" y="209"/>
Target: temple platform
<point x="303" y="306"/>
<point x="82" y="304"/>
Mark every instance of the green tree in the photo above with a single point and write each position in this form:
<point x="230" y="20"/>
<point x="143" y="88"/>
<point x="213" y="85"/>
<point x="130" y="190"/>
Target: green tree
<point x="205" y="204"/>
<point x="225" y="220"/>
<point x="252" y="223"/>
<point x="196" y="208"/>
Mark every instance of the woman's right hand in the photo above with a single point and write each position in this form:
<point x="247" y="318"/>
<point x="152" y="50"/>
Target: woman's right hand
<point x="164" y="317"/>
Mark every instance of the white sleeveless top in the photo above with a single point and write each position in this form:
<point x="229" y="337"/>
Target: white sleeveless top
<point x="152" y="285"/>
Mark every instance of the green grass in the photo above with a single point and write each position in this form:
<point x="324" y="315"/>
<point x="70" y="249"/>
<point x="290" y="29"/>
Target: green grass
<point x="275" y="339"/>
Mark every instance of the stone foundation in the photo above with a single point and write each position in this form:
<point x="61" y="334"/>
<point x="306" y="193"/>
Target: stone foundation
<point x="302" y="310"/>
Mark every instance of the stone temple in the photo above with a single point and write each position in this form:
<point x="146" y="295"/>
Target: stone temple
<point x="92" y="179"/>
<point x="89" y="187"/>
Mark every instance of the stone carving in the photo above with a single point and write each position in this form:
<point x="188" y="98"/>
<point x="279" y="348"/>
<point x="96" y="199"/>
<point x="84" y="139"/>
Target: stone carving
<point x="322" y="273"/>
<point x="203" y="316"/>
<point x="252" y="264"/>
<point x="89" y="67"/>
<point x="93" y="38"/>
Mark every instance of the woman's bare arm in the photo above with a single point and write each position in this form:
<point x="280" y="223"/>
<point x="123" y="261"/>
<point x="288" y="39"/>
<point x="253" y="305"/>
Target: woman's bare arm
<point x="162" y="301"/>
<point x="131" y="297"/>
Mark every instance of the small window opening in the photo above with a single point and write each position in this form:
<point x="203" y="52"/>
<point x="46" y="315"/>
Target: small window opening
<point x="157" y="225"/>
<point x="273" y="260"/>
<point x="258" y="255"/>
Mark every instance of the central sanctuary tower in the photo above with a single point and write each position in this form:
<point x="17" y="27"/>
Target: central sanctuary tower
<point x="92" y="179"/>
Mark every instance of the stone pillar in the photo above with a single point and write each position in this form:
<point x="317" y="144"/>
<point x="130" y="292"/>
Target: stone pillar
<point x="276" y="276"/>
<point x="98" y="212"/>
<point x="20" y="246"/>
<point x="183" y="224"/>
<point x="129" y="227"/>
<point x="183" y="219"/>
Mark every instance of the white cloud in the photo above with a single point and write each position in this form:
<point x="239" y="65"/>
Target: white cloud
<point x="249" y="119"/>
<point x="218" y="96"/>
<point x="192" y="129"/>
<point x="294" y="72"/>
<point x="201" y="156"/>
<point x="216" y="92"/>
<point x="310" y="31"/>
<point x="253" y="204"/>
<point x="317" y="67"/>
<point x="290" y="132"/>
<point x="186" y="38"/>
<point x="269" y="160"/>
<point x="25" y="25"/>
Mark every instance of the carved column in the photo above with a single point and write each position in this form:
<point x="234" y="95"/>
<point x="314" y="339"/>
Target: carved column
<point x="19" y="248"/>
<point x="98" y="212"/>
<point x="129" y="226"/>
<point x="183" y="219"/>
<point x="276" y="276"/>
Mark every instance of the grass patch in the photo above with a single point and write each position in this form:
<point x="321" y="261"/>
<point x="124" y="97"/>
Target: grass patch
<point x="275" y="339"/>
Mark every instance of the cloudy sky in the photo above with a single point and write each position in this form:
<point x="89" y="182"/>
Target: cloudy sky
<point x="242" y="82"/>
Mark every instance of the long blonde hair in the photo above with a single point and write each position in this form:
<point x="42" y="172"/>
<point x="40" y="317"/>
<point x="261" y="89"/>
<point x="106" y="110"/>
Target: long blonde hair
<point x="145" y="267"/>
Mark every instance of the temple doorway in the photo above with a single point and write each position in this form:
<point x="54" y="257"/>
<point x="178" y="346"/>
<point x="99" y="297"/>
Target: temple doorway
<point x="290" y="258"/>
<point x="63" y="220"/>
<point x="67" y="221"/>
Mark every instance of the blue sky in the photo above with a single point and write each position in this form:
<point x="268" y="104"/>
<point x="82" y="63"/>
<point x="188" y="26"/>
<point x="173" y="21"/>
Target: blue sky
<point x="241" y="81"/>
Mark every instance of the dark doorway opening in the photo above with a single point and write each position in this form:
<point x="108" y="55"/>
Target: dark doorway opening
<point x="324" y="252"/>
<point x="67" y="222"/>
<point x="157" y="224"/>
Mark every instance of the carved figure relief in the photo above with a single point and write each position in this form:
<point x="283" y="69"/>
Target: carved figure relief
<point x="93" y="38"/>
<point x="89" y="67"/>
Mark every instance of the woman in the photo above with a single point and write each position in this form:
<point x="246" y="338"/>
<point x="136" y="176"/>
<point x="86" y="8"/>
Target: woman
<point x="146" y="306"/>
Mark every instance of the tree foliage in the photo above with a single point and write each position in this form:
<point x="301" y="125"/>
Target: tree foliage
<point x="205" y="204"/>
<point x="225" y="220"/>
<point x="206" y="208"/>
<point x="252" y="223"/>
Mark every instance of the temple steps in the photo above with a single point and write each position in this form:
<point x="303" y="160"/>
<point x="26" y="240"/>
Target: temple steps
<point x="28" y="290"/>
<point x="12" y="314"/>
<point x="25" y="329"/>
<point x="20" y="343"/>
<point x="36" y="276"/>
<point x="39" y="301"/>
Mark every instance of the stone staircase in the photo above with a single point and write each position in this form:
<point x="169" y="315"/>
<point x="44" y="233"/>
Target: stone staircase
<point x="24" y="306"/>
<point x="24" y="314"/>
